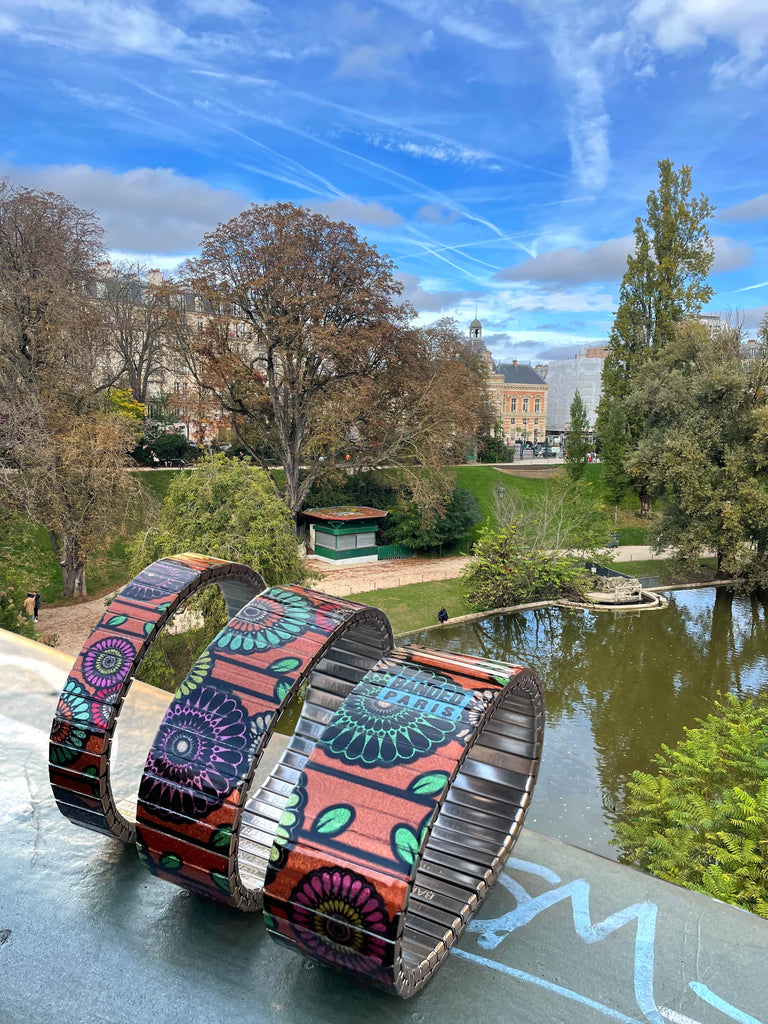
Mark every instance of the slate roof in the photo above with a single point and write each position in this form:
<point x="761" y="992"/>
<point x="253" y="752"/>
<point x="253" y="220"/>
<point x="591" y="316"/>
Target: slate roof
<point x="520" y="374"/>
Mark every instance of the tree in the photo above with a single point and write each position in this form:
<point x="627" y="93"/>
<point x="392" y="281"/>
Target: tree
<point x="226" y="509"/>
<point x="702" y="820"/>
<point x="564" y="517"/>
<point x="329" y="372"/>
<point x="406" y="525"/>
<point x="491" y="446"/>
<point x="504" y="570"/>
<point x="705" y="449"/>
<point x="614" y="444"/>
<point x="61" y="456"/>
<point x="578" y="442"/>
<point x="138" y="311"/>
<point x="665" y="282"/>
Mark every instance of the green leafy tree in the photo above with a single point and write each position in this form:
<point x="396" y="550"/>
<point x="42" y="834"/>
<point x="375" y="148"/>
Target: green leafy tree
<point x="226" y="509"/>
<point x="491" y="446"/>
<point x="705" y="449"/>
<point x="577" y="452"/>
<point x="702" y="820"/>
<point x="614" y="443"/>
<point x="665" y="282"/>
<point x="504" y="570"/>
<point x="406" y="525"/>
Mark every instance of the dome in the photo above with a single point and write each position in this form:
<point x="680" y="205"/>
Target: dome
<point x="475" y="323"/>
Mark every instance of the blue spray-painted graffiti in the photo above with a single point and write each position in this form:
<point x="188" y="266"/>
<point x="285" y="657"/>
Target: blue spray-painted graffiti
<point x="491" y="933"/>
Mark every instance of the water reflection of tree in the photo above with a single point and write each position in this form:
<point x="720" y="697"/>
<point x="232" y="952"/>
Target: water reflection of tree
<point x="640" y="677"/>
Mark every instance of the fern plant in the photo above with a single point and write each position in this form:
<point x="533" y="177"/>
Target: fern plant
<point x="702" y="819"/>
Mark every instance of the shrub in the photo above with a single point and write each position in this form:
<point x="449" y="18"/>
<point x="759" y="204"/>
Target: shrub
<point x="702" y="821"/>
<point x="504" y="571"/>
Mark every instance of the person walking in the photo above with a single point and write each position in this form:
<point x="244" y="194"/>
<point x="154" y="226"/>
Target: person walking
<point x="29" y="606"/>
<point x="37" y="605"/>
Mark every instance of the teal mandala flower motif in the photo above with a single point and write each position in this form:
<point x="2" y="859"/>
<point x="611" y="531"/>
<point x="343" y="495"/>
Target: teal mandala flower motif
<point x="70" y="726"/>
<point x="271" y="620"/>
<point x="198" y="675"/>
<point x="373" y="732"/>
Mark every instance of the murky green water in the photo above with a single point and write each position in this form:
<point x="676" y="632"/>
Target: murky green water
<point x="618" y="685"/>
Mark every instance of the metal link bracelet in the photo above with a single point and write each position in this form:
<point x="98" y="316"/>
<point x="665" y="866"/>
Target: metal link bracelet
<point x="201" y="821"/>
<point x="404" y="814"/>
<point x="89" y="706"/>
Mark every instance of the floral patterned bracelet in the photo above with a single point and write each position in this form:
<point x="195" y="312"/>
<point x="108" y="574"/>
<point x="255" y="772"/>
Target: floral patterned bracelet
<point x="201" y="822"/>
<point x="404" y="815"/>
<point x="90" y="703"/>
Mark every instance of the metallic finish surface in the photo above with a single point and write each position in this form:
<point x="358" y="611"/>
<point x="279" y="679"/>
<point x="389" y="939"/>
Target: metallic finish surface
<point x="83" y="729"/>
<point x="367" y="873"/>
<point x="202" y="821"/>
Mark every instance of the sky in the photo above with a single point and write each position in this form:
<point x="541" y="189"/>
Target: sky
<point x="498" y="151"/>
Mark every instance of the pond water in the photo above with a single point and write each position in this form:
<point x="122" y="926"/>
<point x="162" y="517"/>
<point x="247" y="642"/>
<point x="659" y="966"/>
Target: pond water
<point x="617" y="686"/>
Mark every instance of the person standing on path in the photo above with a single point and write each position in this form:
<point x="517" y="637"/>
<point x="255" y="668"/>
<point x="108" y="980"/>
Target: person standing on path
<point x="29" y="606"/>
<point x="37" y="605"/>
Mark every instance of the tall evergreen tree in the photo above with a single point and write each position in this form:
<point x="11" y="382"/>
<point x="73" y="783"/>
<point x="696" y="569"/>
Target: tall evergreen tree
<point x="665" y="282"/>
<point x="578" y="442"/>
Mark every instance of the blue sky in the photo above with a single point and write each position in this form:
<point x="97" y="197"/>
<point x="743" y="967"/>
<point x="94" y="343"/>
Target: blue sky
<point x="499" y="152"/>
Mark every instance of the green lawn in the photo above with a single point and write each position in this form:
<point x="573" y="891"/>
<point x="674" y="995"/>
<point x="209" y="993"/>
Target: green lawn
<point x="417" y="604"/>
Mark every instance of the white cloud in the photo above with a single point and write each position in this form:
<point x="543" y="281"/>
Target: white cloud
<point x="144" y="210"/>
<point x="347" y="208"/>
<point x="730" y="254"/>
<point x="574" y="265"/>
<point x="607" y="261"/>
<point x="752" y="209"/>
<point x="425" y="301"/>
<point x="678" y="25"/>
<point x="444" y="151"/>
<point x="436" y="213"/>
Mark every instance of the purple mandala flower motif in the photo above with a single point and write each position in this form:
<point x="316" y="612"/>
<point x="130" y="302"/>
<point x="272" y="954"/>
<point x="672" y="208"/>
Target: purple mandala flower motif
<point x="106" y="665"/>
<point x="341" y="918"/>
<point x="199" y="755"/>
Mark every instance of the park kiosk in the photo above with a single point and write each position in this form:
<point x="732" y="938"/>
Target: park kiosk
<point x="344" y="532"/>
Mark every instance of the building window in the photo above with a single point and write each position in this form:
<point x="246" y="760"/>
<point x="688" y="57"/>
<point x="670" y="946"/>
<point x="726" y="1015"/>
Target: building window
<point x="513" y="405"/>
<point x="525" y="405"/>
<point x="537" y="405"/>
<point x="200" y="325"/>
<point x="536" y="422"/>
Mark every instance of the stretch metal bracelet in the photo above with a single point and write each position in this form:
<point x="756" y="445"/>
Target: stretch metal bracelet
<point x="404" y="815"/>
<point x="90" y="703"/>
<point x="201" y="821"/>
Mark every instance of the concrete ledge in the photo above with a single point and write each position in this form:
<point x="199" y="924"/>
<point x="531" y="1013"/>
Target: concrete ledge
<point x="567" y="937"/>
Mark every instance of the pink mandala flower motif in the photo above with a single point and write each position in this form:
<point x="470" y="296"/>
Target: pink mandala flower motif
<point x="106" y="665"/>
<point x="341" y="918"/>
<point x="199" y="755"/>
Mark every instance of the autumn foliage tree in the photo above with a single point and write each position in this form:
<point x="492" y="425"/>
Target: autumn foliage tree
<point x="329" y="372"/>
<point x="61" y="455"/>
